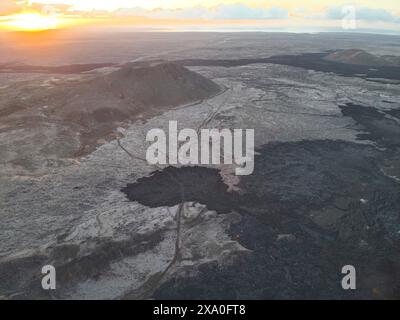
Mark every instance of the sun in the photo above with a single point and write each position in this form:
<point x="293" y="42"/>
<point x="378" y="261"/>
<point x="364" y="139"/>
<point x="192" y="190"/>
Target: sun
<point x="32" y="22"/>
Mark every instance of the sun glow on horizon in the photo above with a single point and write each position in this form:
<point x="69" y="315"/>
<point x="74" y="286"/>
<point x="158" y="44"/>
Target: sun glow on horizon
<point x="31" y="21"/>
<point x="42" y="15"/>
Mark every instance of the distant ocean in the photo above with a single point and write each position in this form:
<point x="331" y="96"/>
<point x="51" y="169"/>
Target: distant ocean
<point x="243" y="28"/>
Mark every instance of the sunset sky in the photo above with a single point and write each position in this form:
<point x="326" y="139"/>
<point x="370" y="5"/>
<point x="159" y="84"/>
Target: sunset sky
<point x="314" y="15"/>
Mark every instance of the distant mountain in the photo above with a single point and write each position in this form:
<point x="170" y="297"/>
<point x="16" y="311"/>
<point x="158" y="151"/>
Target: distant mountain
<point x="73" y="116"/>
<point x="361" y="57"/>
<point x="136" y="89"/>
<point x="66" y="69"/>
<point x="160" y="83"/>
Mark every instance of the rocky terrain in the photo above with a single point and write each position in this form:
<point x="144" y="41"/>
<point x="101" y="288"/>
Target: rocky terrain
<point x="70" y="116"/>
<point x="360" y="57"/>
<point x="324" y="194"/>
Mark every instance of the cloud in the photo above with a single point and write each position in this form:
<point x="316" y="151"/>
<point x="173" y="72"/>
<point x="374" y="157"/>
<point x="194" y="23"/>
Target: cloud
<point x="364" y="13"/>
<point x="13" y="6"/>
<point x="59" y="7"/>
<point x="7" y="7"/>
<point x="130" y="12"/>
<point x="240" y="11"/>
<point x="187" y="13"/>
<point x="221" y="12"/>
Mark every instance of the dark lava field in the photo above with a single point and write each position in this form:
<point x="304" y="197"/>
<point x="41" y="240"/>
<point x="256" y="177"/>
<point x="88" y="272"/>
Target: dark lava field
<point x="291" y="182"/>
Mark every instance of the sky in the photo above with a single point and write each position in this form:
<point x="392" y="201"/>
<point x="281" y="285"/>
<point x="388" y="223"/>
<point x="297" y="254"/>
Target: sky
<point x="311" y="15"/>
